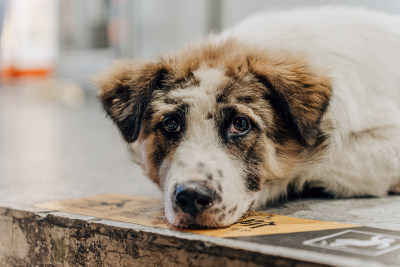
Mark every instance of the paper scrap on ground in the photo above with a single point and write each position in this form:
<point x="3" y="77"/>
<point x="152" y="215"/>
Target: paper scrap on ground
<point x="150" y="212"/>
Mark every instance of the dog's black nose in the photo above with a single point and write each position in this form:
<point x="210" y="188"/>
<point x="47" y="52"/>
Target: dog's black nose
<point x="193" y="197"/>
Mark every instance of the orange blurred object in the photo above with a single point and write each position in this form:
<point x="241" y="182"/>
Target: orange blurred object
<point x="11" y="72"/>
<point x="29" y="44"/>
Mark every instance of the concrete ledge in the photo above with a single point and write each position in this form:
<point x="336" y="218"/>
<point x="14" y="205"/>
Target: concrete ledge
<point x="30" y="239"/>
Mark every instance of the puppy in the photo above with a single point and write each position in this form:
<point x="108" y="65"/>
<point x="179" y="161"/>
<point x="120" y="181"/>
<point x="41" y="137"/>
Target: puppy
<point x="308" y="97"/>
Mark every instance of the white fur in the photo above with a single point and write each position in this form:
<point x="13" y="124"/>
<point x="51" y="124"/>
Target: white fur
<point x="201" y="145"/>
<point x="359" y="50"/>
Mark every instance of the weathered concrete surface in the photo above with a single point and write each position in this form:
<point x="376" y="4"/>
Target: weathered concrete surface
<point x="30" y="239"/>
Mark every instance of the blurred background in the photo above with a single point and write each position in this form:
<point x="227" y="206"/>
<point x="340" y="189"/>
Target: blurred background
<point x="71" y="39"/>
<point x="54" y="139"/>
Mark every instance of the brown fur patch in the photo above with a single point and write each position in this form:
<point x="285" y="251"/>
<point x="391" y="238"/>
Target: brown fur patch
<point x="281" y="90"/>
<point x="126" y="92"/>
<point x="159" y="153"/>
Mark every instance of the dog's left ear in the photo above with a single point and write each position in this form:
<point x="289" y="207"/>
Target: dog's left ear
<point x="298" y="93"/>
<point x="126" y="91"/>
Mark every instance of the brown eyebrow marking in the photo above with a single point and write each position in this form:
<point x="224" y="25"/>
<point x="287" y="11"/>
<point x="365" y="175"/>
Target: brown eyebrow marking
<point x="175" y="80"/>
<point x="222" y="97"/>
<point x="246" y="99"/>
<point x="170" y="101"/>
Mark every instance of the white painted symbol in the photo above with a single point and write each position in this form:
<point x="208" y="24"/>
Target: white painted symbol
<point x="359" y="242"/>
<point x="379" y="241"/>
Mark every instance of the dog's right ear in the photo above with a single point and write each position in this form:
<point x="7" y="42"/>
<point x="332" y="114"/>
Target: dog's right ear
<point x="125" y="92"/>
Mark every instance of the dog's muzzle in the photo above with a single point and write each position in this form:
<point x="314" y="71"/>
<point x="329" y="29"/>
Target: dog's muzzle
<point x="193" y="197"/>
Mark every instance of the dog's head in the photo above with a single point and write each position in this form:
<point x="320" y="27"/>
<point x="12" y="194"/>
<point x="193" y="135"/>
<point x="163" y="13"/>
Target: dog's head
<point x="215" y="124"/>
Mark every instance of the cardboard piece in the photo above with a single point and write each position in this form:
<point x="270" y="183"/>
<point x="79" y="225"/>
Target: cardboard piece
<point x="150" y="212"/>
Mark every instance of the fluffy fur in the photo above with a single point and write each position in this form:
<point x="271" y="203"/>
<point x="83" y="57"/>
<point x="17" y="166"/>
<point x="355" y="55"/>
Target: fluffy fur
<point x="319" y="87"/>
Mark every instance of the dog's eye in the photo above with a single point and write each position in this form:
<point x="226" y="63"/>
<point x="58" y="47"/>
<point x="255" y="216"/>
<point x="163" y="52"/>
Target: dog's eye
<point x="240" y="125"/>
<point x="172" y="124"/>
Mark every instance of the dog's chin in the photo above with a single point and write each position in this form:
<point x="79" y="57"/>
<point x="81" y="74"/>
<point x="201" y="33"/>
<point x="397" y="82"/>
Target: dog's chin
<point x="202" y="221"/>
<point x="197" y="226"/>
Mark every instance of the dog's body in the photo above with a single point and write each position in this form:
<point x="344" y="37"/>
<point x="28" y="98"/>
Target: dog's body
<point x="284" y="99"/>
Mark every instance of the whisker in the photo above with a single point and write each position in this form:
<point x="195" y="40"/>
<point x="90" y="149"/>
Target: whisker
<point x="157" y="208"/>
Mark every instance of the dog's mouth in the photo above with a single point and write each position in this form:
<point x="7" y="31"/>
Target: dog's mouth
<point x="195" y="205"/>
<point x="212" y="218"/>
<point x="197" y="224"/>
<point x="205" y="220"/>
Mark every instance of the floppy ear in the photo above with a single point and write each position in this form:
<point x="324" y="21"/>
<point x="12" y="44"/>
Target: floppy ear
<point x="126" y="92"/>
<point x="300" y="95"/>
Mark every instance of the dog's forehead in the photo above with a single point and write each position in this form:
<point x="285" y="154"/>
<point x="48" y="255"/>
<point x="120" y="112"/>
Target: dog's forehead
<point x="198" y="96"/>
<point x="209" y="80"/>
<point x="206" y="91"/>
